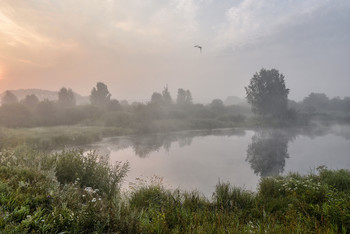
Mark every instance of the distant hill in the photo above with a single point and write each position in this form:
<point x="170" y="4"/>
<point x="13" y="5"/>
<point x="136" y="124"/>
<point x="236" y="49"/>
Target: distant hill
<point x="45" y="94"/>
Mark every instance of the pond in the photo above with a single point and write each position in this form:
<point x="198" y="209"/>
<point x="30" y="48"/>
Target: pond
<point x="199" y="159"/>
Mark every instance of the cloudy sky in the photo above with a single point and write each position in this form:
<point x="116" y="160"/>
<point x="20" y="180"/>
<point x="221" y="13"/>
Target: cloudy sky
<point x="137" y="47"/>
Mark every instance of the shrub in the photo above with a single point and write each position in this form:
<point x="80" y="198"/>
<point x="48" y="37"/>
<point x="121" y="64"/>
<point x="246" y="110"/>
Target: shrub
<point x="89" y="170"/>
<point x="339" y="179"/>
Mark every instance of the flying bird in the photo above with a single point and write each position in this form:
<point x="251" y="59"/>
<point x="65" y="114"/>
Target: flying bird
<point x="199" y="47"/>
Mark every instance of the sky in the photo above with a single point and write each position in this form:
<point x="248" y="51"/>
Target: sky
<point x="137" y="47"/>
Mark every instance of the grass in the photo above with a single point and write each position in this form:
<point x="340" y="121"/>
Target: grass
<point x="60" y="137"/>
<point x="75" y="192"/>
<point x="48" y="138"/>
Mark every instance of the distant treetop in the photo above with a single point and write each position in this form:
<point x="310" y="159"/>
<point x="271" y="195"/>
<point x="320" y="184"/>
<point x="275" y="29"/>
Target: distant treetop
<point x="9" y="98"/>
<point x="100" y="95"/>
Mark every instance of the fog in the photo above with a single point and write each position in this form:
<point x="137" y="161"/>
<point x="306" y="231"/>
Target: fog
<point x="174" y="116"/>
<point x="58" y="43"/>
<point x="252" y="76"/>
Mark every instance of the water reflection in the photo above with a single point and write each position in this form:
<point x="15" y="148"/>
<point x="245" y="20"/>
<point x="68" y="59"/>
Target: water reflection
<point x="144" y="145"/>
<point x="268" y="151"/>
<point x="198" y="159"/>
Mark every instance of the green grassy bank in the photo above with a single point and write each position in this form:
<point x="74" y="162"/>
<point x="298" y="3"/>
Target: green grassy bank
<point x="71" y="192"/>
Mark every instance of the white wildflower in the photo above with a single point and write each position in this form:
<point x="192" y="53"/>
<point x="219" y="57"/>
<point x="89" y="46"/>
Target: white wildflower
<point x="89" y="190"/>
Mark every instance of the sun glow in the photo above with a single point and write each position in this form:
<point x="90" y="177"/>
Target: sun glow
<point x="1" y="73"/>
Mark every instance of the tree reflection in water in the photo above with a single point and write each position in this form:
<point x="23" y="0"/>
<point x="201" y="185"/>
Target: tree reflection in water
<point x="144" y="145"/>
<point x="268" y="151"/>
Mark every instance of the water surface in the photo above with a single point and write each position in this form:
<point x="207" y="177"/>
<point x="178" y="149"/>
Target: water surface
<point x="199" y="159"/>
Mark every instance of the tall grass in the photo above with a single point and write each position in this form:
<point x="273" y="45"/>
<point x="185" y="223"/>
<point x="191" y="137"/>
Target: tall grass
<point x="73" y="192"/>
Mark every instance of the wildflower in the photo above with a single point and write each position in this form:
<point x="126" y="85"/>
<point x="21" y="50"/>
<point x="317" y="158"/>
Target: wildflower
<point x="89" y="190"/>
<point x="93" y="200"/>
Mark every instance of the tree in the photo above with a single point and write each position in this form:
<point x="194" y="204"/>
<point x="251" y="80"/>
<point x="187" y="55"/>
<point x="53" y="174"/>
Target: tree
<point x="15" y="115"/>
<point x="316" y="101"/>
<point x="114" y="105"/>
<point x="124" y="103"/>
<point x="100" y="95"/>
<point x="217" y="105"/>
<point x="157" y="99"/>
<point x="166" y="96"/>
<point x="9" y="98"/>
<point x="66" y="97"/>
<point x="46" y="112"/>
<point x="188" y="97"/>
<point x="268" y="94"/>
<point x="31" y="101"/>
<point x="183" y="97"/>
<point x="346" y="104"/>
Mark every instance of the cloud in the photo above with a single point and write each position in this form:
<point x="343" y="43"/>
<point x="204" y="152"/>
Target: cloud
<point x="251" y="21"/>
<point x="65" y="40"/>
<point x="47" y="44"/>
<point x="127" y="24"/>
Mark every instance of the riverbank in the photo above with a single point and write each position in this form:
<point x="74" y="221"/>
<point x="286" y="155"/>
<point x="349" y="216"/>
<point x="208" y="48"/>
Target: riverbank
<point x="58" y="137"/>
<point x="48" y="138"/>
<point x="44" y="192"/>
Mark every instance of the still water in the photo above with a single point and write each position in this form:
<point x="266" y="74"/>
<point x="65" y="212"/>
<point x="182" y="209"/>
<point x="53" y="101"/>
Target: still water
<point x="199" y="159"/>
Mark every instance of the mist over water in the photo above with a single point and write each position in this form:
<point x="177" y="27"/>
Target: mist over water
<point x="199" y="159"/>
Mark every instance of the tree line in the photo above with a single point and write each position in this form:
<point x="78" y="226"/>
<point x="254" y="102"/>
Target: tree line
<point x="266" y="93"/>
<point x="179" y="113"/>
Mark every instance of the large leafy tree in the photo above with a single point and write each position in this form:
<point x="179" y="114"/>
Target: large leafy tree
<point x="267" y="93"/>
<point x="100" y="95"/>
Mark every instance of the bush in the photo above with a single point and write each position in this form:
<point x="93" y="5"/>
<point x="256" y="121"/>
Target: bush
<point x="89" y="170"/>
<point x="339" y="179"/>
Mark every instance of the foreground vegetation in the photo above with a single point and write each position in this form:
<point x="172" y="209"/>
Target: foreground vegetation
<point x="75" y="192"/>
